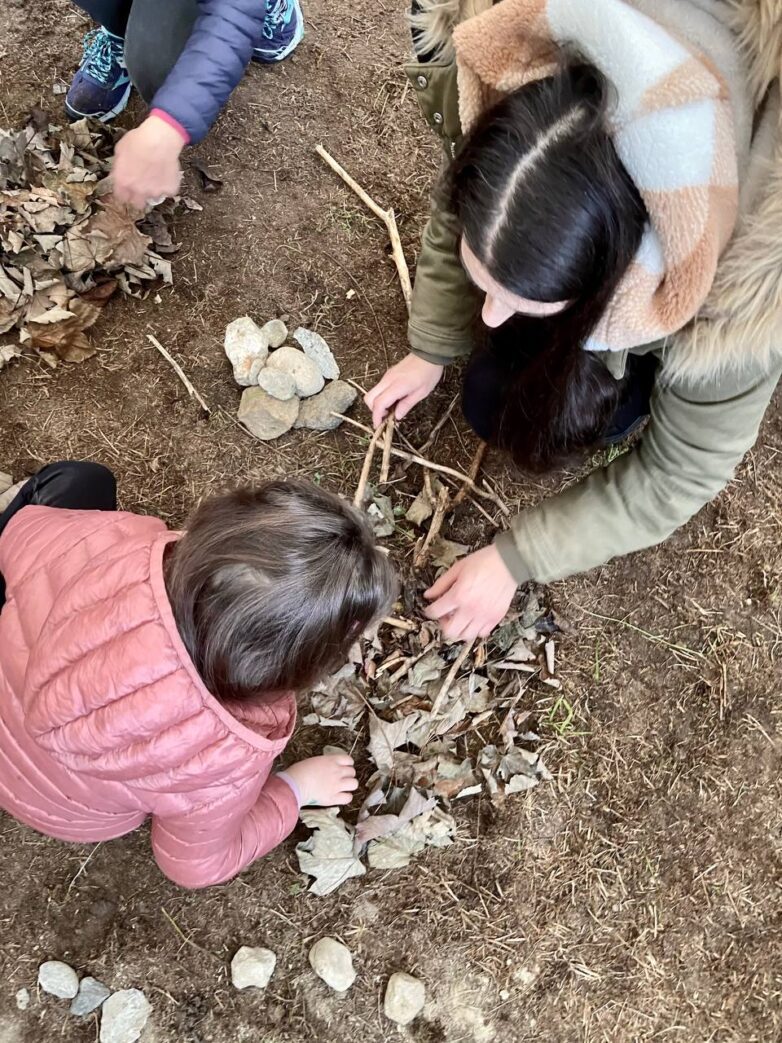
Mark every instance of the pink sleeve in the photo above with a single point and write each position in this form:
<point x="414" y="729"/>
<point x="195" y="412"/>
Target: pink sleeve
<point x="169" y="119"/>
<point x="214" y="842"/>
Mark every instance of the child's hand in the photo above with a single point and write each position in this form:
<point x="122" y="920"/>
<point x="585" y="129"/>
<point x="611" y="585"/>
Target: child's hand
<point x="325" y="781"/>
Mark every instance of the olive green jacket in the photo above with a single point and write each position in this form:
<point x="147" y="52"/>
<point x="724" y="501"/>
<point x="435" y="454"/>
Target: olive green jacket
<point x="716" y="378"/>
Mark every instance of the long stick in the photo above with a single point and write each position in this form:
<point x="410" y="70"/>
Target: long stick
<point x="387" y="447"/>
<point x="485" y="494"/>
<point x="179" y="372"/>
<point x="386" y="216"/>
<point x="361" y="489"/>
<point x="475" y="467"/>
<point x="457" y="665"/>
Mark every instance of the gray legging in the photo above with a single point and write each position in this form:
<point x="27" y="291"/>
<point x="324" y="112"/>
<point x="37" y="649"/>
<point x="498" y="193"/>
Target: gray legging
<point x="155" y="34"/>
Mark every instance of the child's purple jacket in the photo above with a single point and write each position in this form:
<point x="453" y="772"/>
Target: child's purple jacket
<point x="104" y="720"/>
<point x="212" y="63"/>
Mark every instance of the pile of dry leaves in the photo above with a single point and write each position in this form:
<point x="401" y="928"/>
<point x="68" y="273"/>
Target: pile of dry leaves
<point x="442" y="723"/>
<point x="67" y="244"/>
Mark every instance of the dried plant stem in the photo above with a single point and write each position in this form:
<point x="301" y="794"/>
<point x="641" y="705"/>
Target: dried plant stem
<point x="179" y="372"/>
<point x="440" y="511"/>
<point x="475" y="467"/>
<point x="386" y="216"/>
<point x="448" y="682"/>
<point x="387" y="447"/>
<point x="437" y="427"/>
<point x="485" y="494"/>
<point x="400" y="624"/>
<point x="361" y="490"/>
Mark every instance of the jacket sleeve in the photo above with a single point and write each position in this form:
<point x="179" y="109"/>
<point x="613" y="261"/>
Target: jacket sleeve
<point x="697" y="435"/>
<point x="211" y="64"/>
<point x="445" y="303"/>
<point x="212" y="843"/>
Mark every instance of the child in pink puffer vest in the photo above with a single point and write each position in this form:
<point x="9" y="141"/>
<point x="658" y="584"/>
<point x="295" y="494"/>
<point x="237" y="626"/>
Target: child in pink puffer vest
<point x="148" y="673"/>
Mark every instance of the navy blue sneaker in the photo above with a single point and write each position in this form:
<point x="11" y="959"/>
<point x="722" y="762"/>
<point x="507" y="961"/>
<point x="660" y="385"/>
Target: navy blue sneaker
<point x="283" y="31"/>
<point x="101" y="86"/>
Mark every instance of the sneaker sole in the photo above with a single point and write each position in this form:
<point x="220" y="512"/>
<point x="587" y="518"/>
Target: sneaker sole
<point x="104" y="117"/>
<point x="265" y="58"/>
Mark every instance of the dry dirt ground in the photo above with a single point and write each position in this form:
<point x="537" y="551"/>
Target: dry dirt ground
<point x="637" y="897"/>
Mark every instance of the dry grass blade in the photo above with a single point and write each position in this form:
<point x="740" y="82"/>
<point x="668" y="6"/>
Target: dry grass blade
<point x="179" y="372"/>
<point x="386" y="216"/>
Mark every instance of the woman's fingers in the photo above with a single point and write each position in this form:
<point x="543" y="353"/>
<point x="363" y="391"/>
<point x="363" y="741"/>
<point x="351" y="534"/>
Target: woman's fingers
<point x="445" y="582"/>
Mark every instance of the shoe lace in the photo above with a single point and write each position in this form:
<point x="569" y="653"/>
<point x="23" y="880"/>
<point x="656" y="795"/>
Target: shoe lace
<point x="275" y="18"/>
<point x="100" y="54"/>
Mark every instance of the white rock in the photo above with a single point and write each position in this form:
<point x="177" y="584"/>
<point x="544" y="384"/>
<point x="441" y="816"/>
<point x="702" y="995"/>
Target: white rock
<point x="245" y="344"/>
<point x="404" y="999"/>
<point x="252" y="968"/>
<point x="92" y="994"/>
<point x="315" y="348"/>
<point x="6" y="481"/>
<point x="124" y="1016"/>
<point x="23" y="999"/>
<point x="333" y="962"/>
<point x="267" y="417"/>
<point x="58" y="979"/>
<point x="277" y="383"/>
<point x="309" y="379"/>
<point x="276" y="333"/>
<point x="316" y="413"/>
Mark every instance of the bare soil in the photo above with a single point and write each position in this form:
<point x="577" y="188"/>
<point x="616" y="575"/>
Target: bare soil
<point x="637" y="897"/>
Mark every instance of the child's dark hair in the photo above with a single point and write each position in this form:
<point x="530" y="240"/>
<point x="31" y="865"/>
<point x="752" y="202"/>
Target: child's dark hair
<point x="547" y="206"/>
<point x="271" y="585"/>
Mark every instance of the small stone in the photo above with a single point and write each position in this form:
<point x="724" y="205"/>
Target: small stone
<point x="6" y="481"/>
<point x="277" y="383"/>
<point x="23" y="999"/>
<point x="92" y="994"/>
<point x="315" y="348"/>
<point x="276" y="333"/>
<point x="404" y="999"/>
<point x="267" y="417"/>
<point x="245" y="343"/>
<point x="333" y="962"/>
<point x="124" y="1016"/>
<point x="58" y="979"/>
<point x="309" y="379"/>
<point x="252" y="968"/>
<point x="316" y="412"/>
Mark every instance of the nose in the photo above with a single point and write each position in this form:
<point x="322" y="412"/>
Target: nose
<point x="495" y="312"/>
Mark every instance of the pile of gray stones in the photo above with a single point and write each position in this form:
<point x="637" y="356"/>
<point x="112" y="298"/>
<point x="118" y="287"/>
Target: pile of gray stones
<point x="124" y="1014"/>
<point x="286" y="386"/>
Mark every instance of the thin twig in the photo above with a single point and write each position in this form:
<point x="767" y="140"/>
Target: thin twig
<point x="361" y="489"/>
<point x="422" y="451"/>
<point x="399" y="624"/>
<point x="485" y="494"/>
<point x="440" y="511"/>
<point x="448" y="682"/>
<point x="179" y="372"/>
<point x="387" y="446"/>
<point x="184" y="937"/>
<point x="475" y="467"/>
<point x="386" y="216"/>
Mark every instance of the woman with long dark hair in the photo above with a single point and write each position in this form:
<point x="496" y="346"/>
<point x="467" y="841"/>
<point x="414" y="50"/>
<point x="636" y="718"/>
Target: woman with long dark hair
<point x="604" y="246"/>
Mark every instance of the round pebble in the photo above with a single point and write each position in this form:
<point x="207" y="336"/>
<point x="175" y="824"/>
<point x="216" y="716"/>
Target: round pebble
<point x="309" y="379"/>
<point x="58" y="979"/>
<point x="333" y="962"/>
<point x="252" y="968"/>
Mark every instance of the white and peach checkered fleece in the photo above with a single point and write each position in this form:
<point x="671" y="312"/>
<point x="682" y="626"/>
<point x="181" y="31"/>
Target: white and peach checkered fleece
<point x="672" y="127"/>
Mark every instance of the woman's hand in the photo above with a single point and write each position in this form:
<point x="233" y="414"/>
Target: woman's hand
<point x="146" y="163"/>
<point x="471" y="598"/>
<point x="325" y="781"/>
<point x="403" y="386"/>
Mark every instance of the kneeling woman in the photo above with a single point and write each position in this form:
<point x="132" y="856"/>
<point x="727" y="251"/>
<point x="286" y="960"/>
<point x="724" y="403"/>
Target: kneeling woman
<point x="611" y="218"/>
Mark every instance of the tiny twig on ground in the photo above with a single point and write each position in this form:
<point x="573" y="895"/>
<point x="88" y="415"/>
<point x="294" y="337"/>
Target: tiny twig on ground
<point x="448" y="682"/>
<point x="441" y="509"/>
<point x="361" y="489"/>
<point x="399" y="624"/>
<point x="184" y="937"/>
<point x="475" y="467"/>
<point x="422" y="451"/>
<point x="386" y="216"/>
<point x="485" y="494"/>
<point x="387" y="447"/>
<point x="179" y="372"/>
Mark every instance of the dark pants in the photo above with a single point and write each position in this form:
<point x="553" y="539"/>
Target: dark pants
<point x="486" y="378"/>
<point x="74" y="486"/>
<point x="155" y="33"/>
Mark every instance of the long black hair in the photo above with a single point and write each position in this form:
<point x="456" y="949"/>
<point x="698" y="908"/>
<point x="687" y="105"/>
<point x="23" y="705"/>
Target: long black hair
<point x="549" y="209"/>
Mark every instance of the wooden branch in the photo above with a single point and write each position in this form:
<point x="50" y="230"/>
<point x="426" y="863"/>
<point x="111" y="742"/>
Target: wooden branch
<point x="441" y="509"/>
<point x="386" y="216"/>
<point x="485" y="494"/>
<point x="387" y="447"/>
<point x="179" y="372"/>
<point x="475" y="467"/>
<point x="361" y="489"/>
<point x="448" y="683"/>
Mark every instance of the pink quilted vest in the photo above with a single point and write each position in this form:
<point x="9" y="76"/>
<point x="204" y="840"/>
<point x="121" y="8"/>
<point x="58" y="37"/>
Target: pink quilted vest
<point x="103" y="718"/>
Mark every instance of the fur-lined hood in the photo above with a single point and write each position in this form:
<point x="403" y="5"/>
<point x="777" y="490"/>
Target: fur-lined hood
<point x="741" y="320"/>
